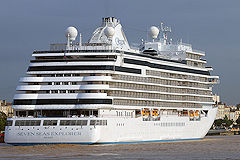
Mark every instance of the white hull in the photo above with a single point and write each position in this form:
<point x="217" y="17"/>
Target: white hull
<point x="117" y="130"/>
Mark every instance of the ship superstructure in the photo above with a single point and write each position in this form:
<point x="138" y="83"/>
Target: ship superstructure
<point x="103" y="91"/>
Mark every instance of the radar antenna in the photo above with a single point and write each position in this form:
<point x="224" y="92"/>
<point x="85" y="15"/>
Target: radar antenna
<point x="71" y="34"/>
<point x="80" y="39"/>
<point x="165" y="30"/>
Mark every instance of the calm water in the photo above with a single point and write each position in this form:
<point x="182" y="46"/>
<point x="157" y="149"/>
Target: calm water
<point x="214" y="147"/>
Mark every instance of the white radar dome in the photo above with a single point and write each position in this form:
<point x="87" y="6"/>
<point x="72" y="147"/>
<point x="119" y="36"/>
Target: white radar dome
<point x="153" y="32"/>
<point x="109" y="32"/>
<point x="72" y="33"/>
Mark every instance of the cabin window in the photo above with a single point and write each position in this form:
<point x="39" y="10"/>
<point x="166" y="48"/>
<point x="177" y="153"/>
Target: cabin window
<point x="98" y="122"/>
<point x="82" y="122"/>
<point x="63" y="91"/>
<point x="27" y="122"/>
<point x="73" y="122"/>
<point x="104" y="122"/>
<point x="54" y="91"/>
<point x="50" y="122"/>
<point x="35" y="122"/>
<point x="93" y="122"/>
<point x="64" y="122"/>
<point x="9" y="122"/>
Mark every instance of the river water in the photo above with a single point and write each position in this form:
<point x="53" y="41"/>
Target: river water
<point x="210" y="148"/>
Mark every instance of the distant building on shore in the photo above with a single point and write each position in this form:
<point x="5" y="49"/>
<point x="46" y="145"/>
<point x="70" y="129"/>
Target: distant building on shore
<point x="227" y="110"/>
<point x="221" y="107"/>
<point x="220" y="111"/>
<point x="216" y="99"/>
<point x="232" y="112"/>
<point x="6" y="108"/>
<point x="232" y="115"/>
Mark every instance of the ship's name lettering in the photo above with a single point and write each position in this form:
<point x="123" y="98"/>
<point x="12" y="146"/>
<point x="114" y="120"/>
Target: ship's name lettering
<point x="49" y="133"/>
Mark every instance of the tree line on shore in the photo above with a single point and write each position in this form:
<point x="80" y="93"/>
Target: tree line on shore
<point x="3" y="121"/>
<point x="226" y="123"/>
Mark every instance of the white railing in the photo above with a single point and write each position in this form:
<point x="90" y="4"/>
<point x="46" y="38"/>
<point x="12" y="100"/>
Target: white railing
<point x="198" y="51"/>
<point x="85" y="46"/>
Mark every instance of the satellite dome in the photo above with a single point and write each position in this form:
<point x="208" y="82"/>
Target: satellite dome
<point x="109" y="32"/>
<point x="72" y="33"/>
<point x="153" y="32"/>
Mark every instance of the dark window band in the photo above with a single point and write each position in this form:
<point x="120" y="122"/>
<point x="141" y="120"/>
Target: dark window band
<point x="129" y="70"/>
<point x="73" y="122"/>
<point x="60" y="101"/>
<point x="67" y="68"/>
<point x="71" y="60"/>
<point x="73" y="68"/>
<point x="27" y="122"/>
<point x="160" y="66"/>
<point x="157" y="58"/>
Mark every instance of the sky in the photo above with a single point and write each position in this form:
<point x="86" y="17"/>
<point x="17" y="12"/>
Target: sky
<point x="209" y="25"/>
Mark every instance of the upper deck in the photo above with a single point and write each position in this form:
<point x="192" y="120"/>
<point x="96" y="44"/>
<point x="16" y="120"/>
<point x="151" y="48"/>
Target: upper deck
<point x="106" y="72"/>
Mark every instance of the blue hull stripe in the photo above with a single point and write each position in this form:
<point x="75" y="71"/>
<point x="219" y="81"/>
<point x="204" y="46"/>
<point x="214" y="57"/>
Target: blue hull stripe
<point x="154" y="141"/>
<point x="90" y="143"/>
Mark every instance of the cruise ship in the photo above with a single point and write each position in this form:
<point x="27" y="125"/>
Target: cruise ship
<point x="104" y="91"/>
